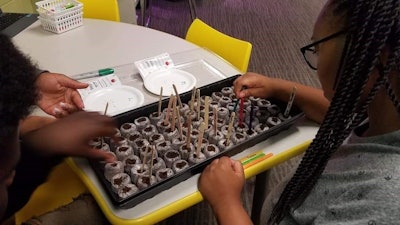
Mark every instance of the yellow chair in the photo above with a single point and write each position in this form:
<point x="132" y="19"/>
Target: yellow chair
<point x="45" y="197"/>
<point x="101" y="9"/>
<point x="235" y="51"/>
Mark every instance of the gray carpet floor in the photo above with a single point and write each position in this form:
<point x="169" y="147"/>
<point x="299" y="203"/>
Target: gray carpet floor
<point x="276" y="28"/>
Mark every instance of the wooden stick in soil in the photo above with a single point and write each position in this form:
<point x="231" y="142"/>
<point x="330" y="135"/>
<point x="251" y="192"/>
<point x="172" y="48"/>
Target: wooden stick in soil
<point x="166" y="119"/>
<point x="105" y="113"/>
<point x="230" y="126"/>
<point x="290" y="102"/>
<point x="179" y="123"/>
<point x="241" y="114"/>
<point x="177" y="95"/>
<point x="189" y="130"/>
<point x="173" y="119"/>
<point x="152" y="161"/>
<point x="200" y="138"/>
<point x="206" y="109"/>
<point x="198" y="103"/>
<point x="192" y="99"/>
<point x="251" y="117"/>
<point x="144" y="158"/>
<point x="160" y="102"/>
<point x="215" y="120"/>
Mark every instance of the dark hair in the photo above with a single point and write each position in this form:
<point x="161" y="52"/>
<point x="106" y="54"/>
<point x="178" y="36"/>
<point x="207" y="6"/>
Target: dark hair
<point x="371" y="26"/>
<point x="17" y="86"/>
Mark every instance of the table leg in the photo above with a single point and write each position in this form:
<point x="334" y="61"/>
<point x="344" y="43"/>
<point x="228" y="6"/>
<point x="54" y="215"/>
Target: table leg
<point x="260" y="192"/>
<point x="192" y="6"/>
<point x="149" y="3"/>
<point x="143" y="12"/>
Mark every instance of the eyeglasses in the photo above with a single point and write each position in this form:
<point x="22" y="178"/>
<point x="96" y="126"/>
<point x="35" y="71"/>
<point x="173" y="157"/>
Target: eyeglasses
<point x="309" y="51"/>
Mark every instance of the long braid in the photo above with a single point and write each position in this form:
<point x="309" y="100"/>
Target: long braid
<point x="370" y="24"/>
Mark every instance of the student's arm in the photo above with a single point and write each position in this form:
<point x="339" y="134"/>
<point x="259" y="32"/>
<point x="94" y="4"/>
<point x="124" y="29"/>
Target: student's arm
<point x="32" y="123"/>
<point x="232" y="213"/>
<point x="70" y="136"/>
<point x="221" y="184"/>
<point x="310" y="100"/>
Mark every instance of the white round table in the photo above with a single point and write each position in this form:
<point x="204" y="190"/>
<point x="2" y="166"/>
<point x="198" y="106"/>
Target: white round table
<point x="96" y="44"/>
<point x="100" y="44"/>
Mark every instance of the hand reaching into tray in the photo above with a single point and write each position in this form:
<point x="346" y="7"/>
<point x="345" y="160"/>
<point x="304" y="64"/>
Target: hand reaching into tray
<point x="309" y="99"/>
<point x="221" y="184"/>
<point x="71" y="135"/>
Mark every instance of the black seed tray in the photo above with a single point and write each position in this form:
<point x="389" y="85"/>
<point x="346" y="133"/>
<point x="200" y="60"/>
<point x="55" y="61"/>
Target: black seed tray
<point x="146" y="110"/>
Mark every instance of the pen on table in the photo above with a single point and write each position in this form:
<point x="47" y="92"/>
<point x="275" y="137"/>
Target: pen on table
<point x="251" y="157"/>
<point x="256" y="159"/>
<point x="98" y="73"/>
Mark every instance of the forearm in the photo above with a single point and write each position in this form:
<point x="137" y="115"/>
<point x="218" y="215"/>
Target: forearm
<point x="310" y="100"/>
<point x="33" y="123"/>
<point x="232" y="214"/>
<point x="33" y="134"/>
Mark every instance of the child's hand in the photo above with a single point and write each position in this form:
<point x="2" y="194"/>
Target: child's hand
<point x="70" y="136"/>
<point x="253" y="84"/>
<point x="58" y="94"/>
<point x="222" y="182"/>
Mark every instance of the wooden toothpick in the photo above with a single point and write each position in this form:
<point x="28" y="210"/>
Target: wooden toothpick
<point x="173" y="113"/>
<point x="106" y="109"/>
<point x="145" y="158"/>
<point x="192" y="99"/>
<point x="230" y="126"/>
<point x="215" y="120"/>
<point x="160" y="102"/>
<point x="189" y="130"/>
<point x="198" y="103"/>
<point x="177" y="95"/>
<point x="290" y="102"/>
<point x="152" y="159"/>
<point x="166" y="119"/>
<point x="206" y="109"/>
<point x="105" y="113"/>
<point x="200" y="139"/>
<point x="179" y="123"/>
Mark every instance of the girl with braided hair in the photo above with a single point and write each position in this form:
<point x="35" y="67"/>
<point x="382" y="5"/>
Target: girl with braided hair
<point x="350" y="174"/>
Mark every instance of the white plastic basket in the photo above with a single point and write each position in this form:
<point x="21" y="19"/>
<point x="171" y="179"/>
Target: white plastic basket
<point x="59" y="16"/>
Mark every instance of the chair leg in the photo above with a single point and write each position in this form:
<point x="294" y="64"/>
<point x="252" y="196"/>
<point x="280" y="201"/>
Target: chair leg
<point x="142" y="11"/>
<point x="145" y="5"/>
<point x="192" y="6"/>
<point x="260" y="192"/>
<point x="149" y="3"/>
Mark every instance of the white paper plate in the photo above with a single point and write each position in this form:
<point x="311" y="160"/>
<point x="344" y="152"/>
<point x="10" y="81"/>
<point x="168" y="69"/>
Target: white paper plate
<point x="120" y="98"/>
<point x="183" y="81"/>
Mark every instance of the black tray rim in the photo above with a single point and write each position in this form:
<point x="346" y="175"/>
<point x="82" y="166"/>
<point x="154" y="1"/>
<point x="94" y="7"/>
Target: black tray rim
<point x="155" y="189"/>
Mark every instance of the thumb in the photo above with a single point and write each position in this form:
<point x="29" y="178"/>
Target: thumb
<point x="237" y="166"/>
<point x="71" y="83"/>
<point x="77" y="100"/>
<point x="245" y="93"/>
<point x="100" y="155"/>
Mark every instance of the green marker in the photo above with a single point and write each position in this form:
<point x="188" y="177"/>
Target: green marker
<point x="98" y="73"/>
<point x="69" y="5"/>
<point x="254" y="157"/>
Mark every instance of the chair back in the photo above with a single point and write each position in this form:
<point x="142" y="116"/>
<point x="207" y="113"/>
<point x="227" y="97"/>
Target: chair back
<point x="103" y="9"/>
<point x="237" y="52"/>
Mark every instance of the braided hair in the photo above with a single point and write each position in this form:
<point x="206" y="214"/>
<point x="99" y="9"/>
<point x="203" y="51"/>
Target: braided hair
<point x="371" y="26"/>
